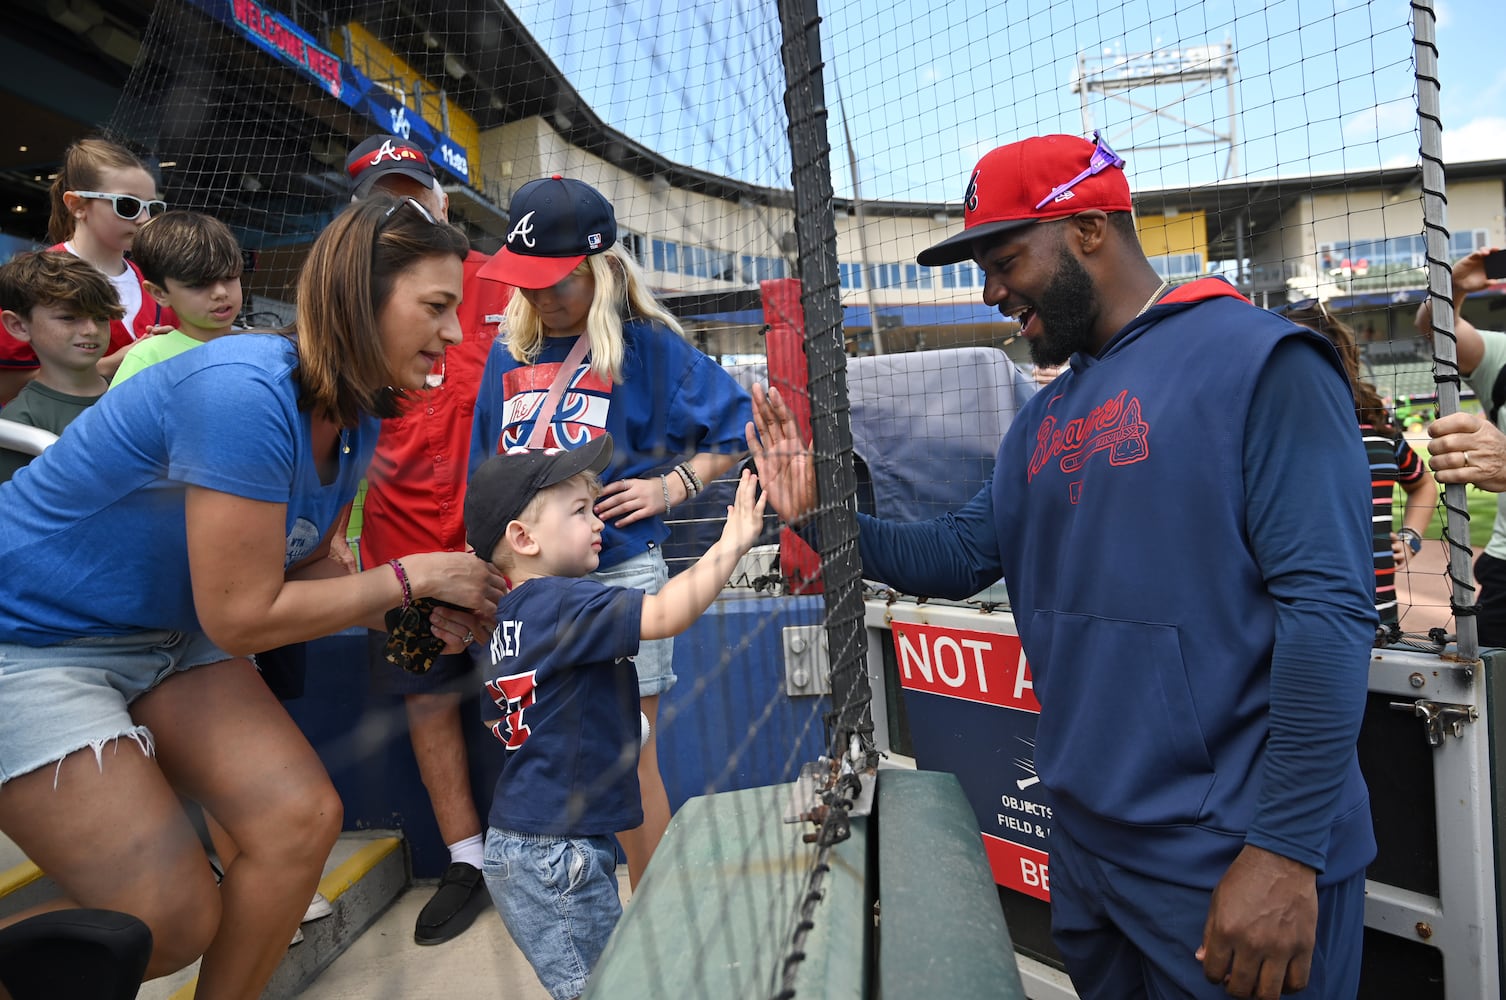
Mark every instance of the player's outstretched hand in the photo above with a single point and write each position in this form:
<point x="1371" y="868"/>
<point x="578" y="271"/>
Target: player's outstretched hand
<point x="745" y="515"/>
<point x="784" y="460"/>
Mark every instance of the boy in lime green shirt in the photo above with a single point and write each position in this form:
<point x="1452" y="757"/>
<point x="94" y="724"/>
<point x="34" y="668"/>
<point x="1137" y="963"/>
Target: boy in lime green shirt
<point x="191" y="264"/>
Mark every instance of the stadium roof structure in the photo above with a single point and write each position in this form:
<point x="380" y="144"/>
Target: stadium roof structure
<point x="504" y="75"/>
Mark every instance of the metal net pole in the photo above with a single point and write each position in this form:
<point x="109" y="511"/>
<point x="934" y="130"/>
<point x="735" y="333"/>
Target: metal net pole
<point x="1441" y="290"/>
<point x="826" y="356"/>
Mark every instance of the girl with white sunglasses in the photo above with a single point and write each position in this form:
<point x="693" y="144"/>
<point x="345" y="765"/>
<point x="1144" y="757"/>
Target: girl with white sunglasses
<point x="101" y="196"/>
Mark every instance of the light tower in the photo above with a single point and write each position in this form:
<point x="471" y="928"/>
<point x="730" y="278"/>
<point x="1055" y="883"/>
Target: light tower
<point x="1190" y="69"/>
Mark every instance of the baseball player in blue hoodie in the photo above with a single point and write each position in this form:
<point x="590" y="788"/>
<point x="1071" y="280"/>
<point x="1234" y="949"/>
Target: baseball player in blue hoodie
<point x="1182" y="521"/>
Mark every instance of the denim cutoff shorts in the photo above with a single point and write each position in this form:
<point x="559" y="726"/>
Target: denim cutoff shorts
<point x="76" y="694"/>
<point x="558" y="897"/>
<point x="655" y="660"/>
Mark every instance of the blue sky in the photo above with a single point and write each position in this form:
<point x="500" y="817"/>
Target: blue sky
<point x="928" y="86"/>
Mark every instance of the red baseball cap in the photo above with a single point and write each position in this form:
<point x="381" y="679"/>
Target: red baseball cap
<point x="557" y="222"/>
<point x="1034" y="180"/>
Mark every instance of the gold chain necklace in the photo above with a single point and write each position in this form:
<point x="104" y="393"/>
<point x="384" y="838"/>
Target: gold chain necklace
<point x="1165" y="284"/>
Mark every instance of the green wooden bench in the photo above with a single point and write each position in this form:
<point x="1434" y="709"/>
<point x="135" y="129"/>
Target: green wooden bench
<point x="908" y="906"/>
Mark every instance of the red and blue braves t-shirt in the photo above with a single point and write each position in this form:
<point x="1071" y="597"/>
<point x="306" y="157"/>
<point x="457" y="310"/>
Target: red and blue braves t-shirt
<point x="673" y="402"/>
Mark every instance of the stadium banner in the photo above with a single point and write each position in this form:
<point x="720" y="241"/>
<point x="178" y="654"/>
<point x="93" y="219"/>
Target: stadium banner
<point x="973" y="712"/>
<point x="279" y="37"/>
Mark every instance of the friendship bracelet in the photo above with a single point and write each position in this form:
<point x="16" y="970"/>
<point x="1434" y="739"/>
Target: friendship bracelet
<point x="690" y="486"/>
<point x="664" y="484"/>
<point x="692" y="478"/>
<point x="402" y="578"/>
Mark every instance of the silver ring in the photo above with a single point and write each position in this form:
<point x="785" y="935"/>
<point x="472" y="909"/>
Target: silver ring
<point x="1466" y="461"/>
<point x="470" y="637"/>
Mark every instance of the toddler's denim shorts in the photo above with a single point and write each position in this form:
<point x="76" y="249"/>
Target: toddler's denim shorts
<point x="76" y="694"/>
<point x="558" y="897"/>
<point x="655" y="660"/>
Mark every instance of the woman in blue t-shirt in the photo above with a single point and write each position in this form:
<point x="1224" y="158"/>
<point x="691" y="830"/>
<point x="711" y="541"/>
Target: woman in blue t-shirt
<point x="177" y="527"/>
<point x="585" y="345"/>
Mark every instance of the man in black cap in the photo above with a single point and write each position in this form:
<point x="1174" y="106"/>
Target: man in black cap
<point x="414" y="501"/>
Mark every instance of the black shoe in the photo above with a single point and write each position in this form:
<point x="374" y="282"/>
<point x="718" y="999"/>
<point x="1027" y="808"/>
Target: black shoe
<point x="461" y="896"/>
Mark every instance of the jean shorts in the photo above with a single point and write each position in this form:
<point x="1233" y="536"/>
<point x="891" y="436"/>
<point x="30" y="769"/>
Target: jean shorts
<point x="558" y="897"/>
<point x="76" y="694"/>
<point x="655" y="660"/>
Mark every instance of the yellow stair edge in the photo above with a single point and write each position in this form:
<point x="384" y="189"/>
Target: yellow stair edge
<point x="354" y="868"/>
<point x="19" y="877"/>
<point x="333" y="886"/>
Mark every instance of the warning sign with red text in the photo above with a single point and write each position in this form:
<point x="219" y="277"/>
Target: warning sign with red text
<point x="972" y="711"/>
<point x="986" y="667"/>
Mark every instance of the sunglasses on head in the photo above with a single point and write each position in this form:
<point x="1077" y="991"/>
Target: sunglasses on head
<point x="1305" y="306"/>
<point x="1103" y="157"/>
<point x="416" y="206"/>
<point x="127" y="206"/>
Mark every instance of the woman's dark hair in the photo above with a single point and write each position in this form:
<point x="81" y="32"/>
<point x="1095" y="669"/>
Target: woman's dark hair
<point x="345" y="282"/>
<point x="84" y="164"/>
<point x="1369" y="408"/>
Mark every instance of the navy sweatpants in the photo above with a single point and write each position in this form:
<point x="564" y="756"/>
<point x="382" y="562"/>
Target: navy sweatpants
<point x="1129" y="937"/>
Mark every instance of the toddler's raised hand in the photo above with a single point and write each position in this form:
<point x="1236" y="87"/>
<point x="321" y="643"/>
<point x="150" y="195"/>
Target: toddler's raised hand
<point x="745" y="515"/>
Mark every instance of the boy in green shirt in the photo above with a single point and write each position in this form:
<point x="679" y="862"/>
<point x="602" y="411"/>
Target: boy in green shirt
<point x="192" y="265"/>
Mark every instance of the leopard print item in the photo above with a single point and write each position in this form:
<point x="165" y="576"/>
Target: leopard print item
<point x="410" y="644"/>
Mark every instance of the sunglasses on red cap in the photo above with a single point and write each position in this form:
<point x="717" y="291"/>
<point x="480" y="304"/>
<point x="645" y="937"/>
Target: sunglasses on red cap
<point x="1102" y="159"/>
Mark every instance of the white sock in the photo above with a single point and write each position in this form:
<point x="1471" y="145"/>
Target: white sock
<point x="467" y="850"/>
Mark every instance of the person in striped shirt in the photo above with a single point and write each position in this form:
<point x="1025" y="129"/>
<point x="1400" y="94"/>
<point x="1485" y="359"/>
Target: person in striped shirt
<point x="1393" y="463"/>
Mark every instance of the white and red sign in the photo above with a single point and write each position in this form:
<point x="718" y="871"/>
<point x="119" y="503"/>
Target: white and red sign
<point x="973" y="712"/>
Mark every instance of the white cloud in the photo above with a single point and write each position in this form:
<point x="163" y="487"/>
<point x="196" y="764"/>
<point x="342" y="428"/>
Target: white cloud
<point x="1387" y="119"/>
<point x="1480" y="139"/>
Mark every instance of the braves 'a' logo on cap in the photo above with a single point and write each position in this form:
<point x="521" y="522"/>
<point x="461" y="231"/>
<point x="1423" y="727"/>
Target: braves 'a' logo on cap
<point x="385" y="153"/>
<point x="970" y="198"/>
<point x="523" y="231"/>
<point x="397" y="154"/>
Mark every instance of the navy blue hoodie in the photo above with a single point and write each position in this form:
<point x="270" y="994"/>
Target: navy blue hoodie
<point x="1183" y="525"/>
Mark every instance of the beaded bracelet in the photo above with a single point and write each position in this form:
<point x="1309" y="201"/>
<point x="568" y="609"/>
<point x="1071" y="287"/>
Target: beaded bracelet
<point x="690" y="489"/>
<point x="691" y="477"/>
<point x="402" y="578"/>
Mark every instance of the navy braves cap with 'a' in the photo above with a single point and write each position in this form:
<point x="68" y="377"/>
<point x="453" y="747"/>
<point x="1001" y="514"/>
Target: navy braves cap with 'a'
<point x="384" y="155"/>
<point x="1034" y="180"/>
<point x="557" y="222"/>
<point x="504" y="484"/>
